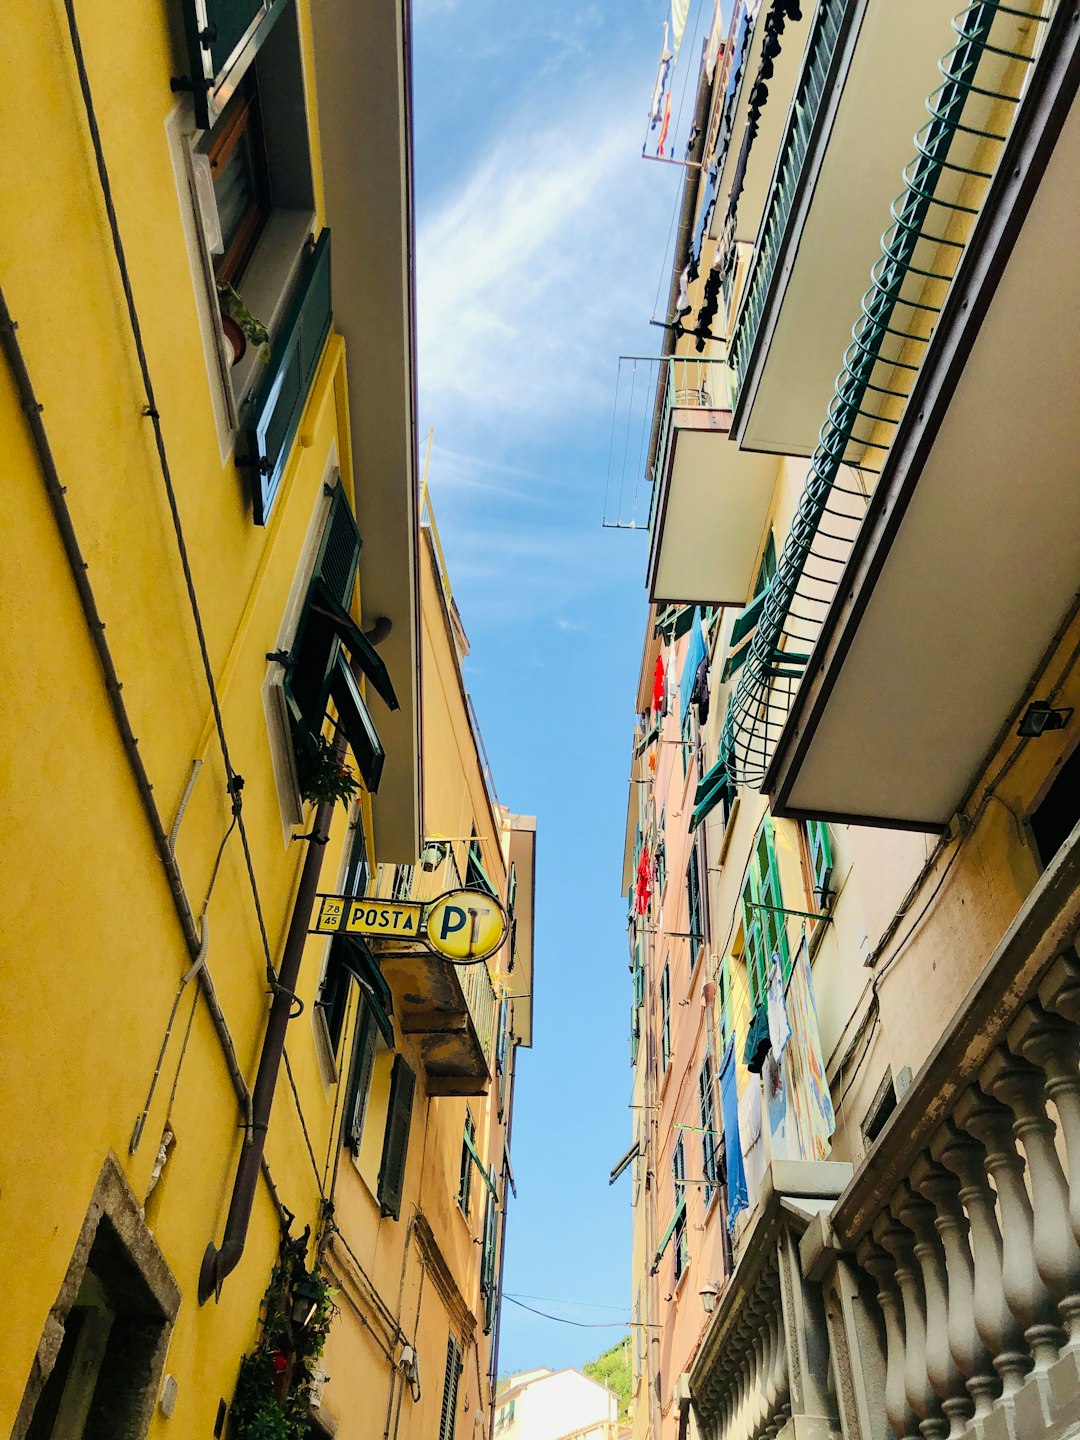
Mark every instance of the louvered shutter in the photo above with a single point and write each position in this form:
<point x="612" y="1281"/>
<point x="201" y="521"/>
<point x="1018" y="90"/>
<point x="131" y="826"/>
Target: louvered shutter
<point x="223" y="38"/>
<point x="360" y="1082"/>
<point x="448" y="1418"/>
<point x="396" y="1140"/>
<point x="487" y="1265"/>
<point x="273" y="417"/>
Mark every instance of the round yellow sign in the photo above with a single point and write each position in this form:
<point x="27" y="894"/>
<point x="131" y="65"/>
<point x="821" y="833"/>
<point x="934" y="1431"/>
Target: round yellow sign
<point x="466" y="925"/>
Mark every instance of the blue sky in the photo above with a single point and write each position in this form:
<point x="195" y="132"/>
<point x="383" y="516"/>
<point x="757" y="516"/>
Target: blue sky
<point x="541" y="243"/>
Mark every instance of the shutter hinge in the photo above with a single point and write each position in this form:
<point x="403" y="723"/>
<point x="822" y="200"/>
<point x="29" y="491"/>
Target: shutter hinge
<point x="208" y="36"/>
<point x="280" y="657"/>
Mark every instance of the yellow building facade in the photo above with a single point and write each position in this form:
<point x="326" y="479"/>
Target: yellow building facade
<point x="217" y="599"/>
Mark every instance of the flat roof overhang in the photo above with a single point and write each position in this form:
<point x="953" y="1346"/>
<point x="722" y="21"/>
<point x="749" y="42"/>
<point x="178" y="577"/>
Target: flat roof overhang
<point x="520" y="984"/>
<point x="363" y="85"/>
<point x="759" y="165"/>
<point x="709" y="514"/>
<point x="884" y="67"/>
<point x="969" y="558"/>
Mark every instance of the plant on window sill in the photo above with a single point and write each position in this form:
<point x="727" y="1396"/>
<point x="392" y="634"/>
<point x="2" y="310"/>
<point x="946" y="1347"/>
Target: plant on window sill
<point x="274" y="1383"/>
<point x="323" y="776"/>
<point x="240" y="325"/>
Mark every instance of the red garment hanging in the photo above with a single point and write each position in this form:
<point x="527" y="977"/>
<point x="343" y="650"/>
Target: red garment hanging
<point x="658" y="686"/>
<point x="643" y="893"/>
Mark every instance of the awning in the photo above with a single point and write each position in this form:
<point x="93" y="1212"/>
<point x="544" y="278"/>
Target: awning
<point x="354" y="956"/>
<point x="480" y="1165"/>
<point x="620" y="1165"/>
<point x="357" y="643"/>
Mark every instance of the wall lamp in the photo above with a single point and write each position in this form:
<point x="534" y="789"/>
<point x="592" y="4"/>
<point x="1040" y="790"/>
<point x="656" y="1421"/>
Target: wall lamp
<point x="433" y="854"/>
<point x="1041" y="716"/>
<point x="709" y="1292"/>
<point x="305" y="1302"/>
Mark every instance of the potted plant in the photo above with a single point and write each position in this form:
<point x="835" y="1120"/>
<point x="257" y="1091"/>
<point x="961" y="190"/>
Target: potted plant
<point x="323" y="776"/>
<point x="240" y="325"/>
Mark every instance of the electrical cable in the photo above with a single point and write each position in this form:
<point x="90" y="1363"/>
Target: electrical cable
<point x="584" y="1324"/>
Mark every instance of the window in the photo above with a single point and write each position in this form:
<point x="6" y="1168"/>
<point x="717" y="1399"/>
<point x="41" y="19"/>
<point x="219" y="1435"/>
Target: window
<point x="476" y="877"/>
<point x="488" y="1288"/>
<point x="660" y="860"/>
<point x="881" y="1107"/>
<point x="1053" y="818"/>
<point x="356" y="1103"/>
<point x="237" y="156"/>
<point x="396" y="1138"/>
<point x="665" y="1017"/>
<point x="687" y="746"/>
<point x="316" y="672"/>
<point x="334" y="990"/>
<point x="451" y="1375"/>
<point x="678" y="1170"/>
<point x="502" y="1048"/>
<point x="468" y="1145"/>
<point x="695" y="912"/>
<point x="403" y="880"/>
<point x="763" y="918"/>
<point x="511" y="911"/>
<point x="819" y="855"/>
<point x="707" y="1107"/>
<point x="742" y="631"/>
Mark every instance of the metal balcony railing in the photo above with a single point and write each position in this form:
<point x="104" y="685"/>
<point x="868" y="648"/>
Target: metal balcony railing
<point x="648" y="390"/>
<point x="945" y="188"/>
<point x="820" y="50"/>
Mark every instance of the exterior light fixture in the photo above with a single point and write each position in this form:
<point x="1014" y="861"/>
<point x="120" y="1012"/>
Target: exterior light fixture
<point x="708" y="1294"/>
<point x="433" y="854"/>
<point x="1041" y="716"/>
<point x="305" y="1301"/>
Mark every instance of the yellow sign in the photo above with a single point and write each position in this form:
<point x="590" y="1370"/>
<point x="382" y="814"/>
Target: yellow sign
<point x="402" y="919"/>
<point x="464" y="926"/>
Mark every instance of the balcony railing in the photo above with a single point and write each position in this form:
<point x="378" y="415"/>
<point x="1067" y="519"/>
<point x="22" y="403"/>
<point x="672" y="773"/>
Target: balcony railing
<point x="649" y="388"/>
<point x="965" y="1217"/>
<point x="813" y="82"/>
<point x="945" y="187"/>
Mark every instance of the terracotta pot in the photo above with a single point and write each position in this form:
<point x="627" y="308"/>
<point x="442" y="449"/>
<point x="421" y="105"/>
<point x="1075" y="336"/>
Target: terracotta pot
<point x="236" y="338"/>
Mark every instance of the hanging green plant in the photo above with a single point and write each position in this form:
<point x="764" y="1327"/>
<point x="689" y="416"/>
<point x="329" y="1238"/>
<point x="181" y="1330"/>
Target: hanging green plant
<point x="233" y="308"/>
<point x="273" y="1388"/>
<point x="324" y="776"/>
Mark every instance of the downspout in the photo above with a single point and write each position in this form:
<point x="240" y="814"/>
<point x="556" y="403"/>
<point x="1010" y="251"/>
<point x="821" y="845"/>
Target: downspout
<point x="218" y="1262"/>
<point x="56" y="492"/>
<point x="682" y="245"/>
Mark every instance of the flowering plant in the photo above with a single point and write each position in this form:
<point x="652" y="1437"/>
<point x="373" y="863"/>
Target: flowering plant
<point x="324" y="776"/>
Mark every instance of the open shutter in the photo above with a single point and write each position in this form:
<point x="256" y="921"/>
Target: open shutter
<point x="223" y="37"/>
<point x="448" y="1417"/>
<point x="821" y="859"/>
<point x="396" y="1140"/>
<point x="487" y="1263"/>
<point x="360" y="1080"/>
<point x="354" y="719"/>
<point x="273" y="418"/>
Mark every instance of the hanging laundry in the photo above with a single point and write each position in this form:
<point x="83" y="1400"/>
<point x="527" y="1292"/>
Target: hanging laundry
<point x="699" y="695"/>
<point x="661" y="142"/>
<point x="695" y="653"/>
<point x="737" y="1198"/>
<point x="682" y="300"/>
<point x="658" y="686"/>
<point x="643" y="892"/>
<point x="809" y="1092"/>
<point x="716" y="36"/>
<point x="663" y="69"/>
<point x="679" y="11"/>
<point x="779" y="1029"/>
<point x="757" y="1040"/>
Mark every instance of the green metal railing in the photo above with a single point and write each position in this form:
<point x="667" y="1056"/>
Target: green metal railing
<point x="820" y="49"/>
<point x="945" y="186"/>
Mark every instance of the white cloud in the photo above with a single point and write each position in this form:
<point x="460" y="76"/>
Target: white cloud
<point x="528" y="272"/>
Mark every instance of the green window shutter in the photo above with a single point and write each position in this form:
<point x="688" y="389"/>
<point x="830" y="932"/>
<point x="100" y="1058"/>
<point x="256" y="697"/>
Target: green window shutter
<point x="821" y="859"/>
<point x="773" y="928"/>
<point x="396" y="1139"/>
<point x="468" y="1146"/>
<point x="487" y="1264"/>
<point x="360" y="1080"/>
<point x="665" y="1017"/>
<point x="695" y="910"/>
<point x="707" y="1109"/>
<point x="476" y="877"/>
<point x="273" y="418"/>
<point x="767" y="568"/>
<point x="678" y="1166"/>
<point x="451" y="1375"/>
<point x="223" y="37"/>
<point x="746" y="620"/>
<point x="355" y="719"/>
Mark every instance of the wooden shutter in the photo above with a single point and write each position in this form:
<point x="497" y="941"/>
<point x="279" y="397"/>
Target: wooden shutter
<point x="360" y="1080"/>
<point x="273" y="418"/>
<point x="465" y="1183"/>
<point x="396" y="1140"/>
<point x="487" y="1264"/>
<point x="821" y="859"/>
<point x="223" y="38"/>
<point x="448" y="1418"/>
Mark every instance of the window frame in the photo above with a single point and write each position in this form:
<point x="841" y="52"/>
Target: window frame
<point x="451" y="1377"/>
<point x="709" y="1147"/>
<point x="695" y="906"/>
<point x="241" y="118"/>
<point x="764" y="928"/>
<point x="680" y="1252"/>
<point x="665" y="1017"/>
<point x="464" y="1195"/>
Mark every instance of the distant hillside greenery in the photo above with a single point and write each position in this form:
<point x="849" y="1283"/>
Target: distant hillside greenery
<point x="612" y="1369"/>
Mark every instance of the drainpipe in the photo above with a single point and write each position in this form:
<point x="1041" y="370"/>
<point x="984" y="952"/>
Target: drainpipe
<point x="218" y="1262"/>
<point x="682" y="244"/>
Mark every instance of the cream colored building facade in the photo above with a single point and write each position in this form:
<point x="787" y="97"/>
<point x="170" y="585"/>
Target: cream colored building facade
<point x="555" y="1405"/>
<point x="852" y="860"/>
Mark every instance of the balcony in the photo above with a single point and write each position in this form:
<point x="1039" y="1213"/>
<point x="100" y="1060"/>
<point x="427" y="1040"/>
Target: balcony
<point x="950" y="1265"/>
<point x="859" y="99"/>
<point x="709" y="500"/>
<point x="450" y="1008"/>
<point x="965" y="565"/>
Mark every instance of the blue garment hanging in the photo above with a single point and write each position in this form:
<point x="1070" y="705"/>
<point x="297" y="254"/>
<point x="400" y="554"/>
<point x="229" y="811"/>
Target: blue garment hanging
<point x="737" y="1198"/>
<point x="695" y="653"/>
